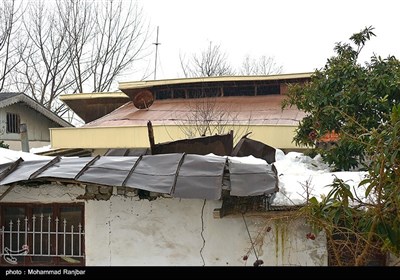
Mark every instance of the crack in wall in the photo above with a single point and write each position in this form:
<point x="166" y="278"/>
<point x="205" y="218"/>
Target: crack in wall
<point x="109" y="233"/>
<point x="202" y="231"/>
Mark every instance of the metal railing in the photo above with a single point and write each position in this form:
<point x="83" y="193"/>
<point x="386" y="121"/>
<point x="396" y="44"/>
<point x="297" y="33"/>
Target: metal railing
<point x="29" y="238"/>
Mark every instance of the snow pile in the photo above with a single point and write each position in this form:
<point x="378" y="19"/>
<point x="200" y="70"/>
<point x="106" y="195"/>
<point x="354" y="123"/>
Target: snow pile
<point x="40" y="149"/>
<point x="247" y="160"/>
<point x="298" y="172"/>
<point x="7" y="155"/>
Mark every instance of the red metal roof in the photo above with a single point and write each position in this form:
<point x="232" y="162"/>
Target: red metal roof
<point x="264" y="110"/>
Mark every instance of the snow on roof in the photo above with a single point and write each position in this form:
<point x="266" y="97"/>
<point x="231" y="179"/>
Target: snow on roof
<point x="295" y="171"/>
<point x="177" y="174"/>
<point x="7" y="155"/>
<point x="40" y="149"/>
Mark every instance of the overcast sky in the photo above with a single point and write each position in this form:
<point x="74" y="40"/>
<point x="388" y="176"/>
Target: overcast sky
<point x="300" y="35"/>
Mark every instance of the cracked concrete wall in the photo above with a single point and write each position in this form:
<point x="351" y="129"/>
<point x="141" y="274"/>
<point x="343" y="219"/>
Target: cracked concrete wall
<point x="127" y="231"/>
<point x="45" y="193"/>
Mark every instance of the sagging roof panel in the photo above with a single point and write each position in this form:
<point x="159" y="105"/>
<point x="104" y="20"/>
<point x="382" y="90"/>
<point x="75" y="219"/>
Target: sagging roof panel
<point x="198" y="186"/>
<point x="100" y="171"/>
<point x="67" y="168"/>
<point x="180" y="175"/>
<point x="251" y="179"/>
<point x="155" y="173"/>
<point x="23" y="171"/>
<point x="4" y="168"/>
<point x="200" y="176"/>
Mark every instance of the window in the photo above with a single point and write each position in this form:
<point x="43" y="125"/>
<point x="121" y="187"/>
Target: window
<point x="13" y="121"/>
<point x="42" y="234"/>
<point x="239" y="91"/>
<point x="269" y="89"/>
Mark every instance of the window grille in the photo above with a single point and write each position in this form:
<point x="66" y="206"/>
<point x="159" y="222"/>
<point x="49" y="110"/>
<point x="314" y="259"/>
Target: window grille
<point x="13" y="122"/>
<point x="36" y="235"/>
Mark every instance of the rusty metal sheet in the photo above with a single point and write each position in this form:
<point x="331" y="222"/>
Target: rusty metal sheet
<point x="216" y="144"/>
<point x="247" y="147"/>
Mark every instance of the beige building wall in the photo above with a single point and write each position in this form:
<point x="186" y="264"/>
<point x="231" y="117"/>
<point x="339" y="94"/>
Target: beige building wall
<point x="137" y="136"/>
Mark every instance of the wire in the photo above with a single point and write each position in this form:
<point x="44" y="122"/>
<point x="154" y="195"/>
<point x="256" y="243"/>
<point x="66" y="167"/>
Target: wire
<point x="251" y="240"/>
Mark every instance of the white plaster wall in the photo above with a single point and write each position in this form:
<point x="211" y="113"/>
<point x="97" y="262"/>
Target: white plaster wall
<point x="166" y="231"/>
<point x="126" y="231"/>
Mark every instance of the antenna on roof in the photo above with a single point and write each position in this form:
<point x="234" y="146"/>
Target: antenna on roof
<point x="155" y="63"/>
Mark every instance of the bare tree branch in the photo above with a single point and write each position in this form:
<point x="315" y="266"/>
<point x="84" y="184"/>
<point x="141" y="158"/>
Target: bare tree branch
<point x="262" y="66"/>
<point x="48" y="60"/>
<point x="205" y="117"/>
<point x="210" y="62"/>
<point x="75" y="46"/>
<point x="10" y="15"/>
<point x="78" y="21"/>
<point x="120" y="39"/>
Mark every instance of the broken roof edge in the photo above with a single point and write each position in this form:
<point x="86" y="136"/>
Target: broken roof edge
<point x="152" y="83"/>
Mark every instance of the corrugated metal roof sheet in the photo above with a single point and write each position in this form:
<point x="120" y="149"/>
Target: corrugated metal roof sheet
<point x="246" y="110"/>
<point x="180" y="175"/>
